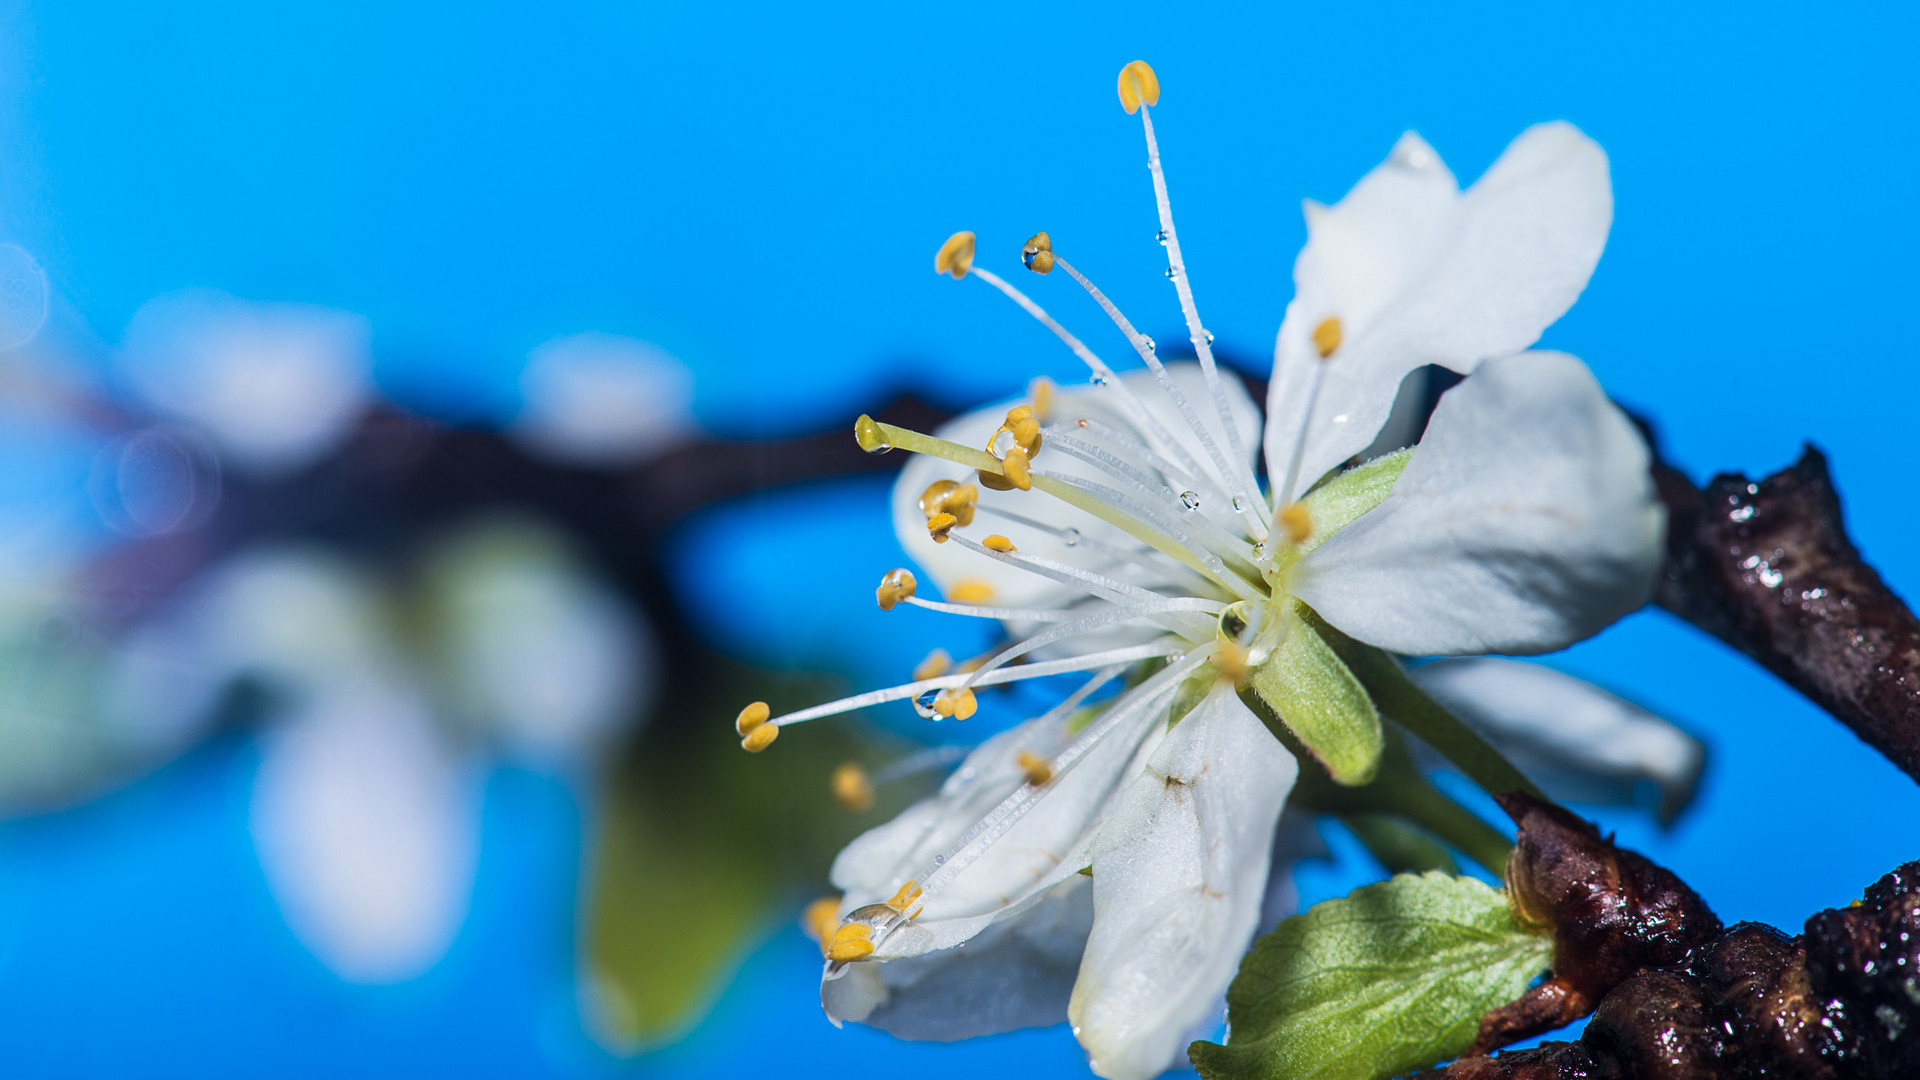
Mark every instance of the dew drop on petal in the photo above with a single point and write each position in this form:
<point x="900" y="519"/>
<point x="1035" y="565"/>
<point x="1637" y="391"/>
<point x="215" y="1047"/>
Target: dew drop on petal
<point x="1070" y="536"/>
<point x="1190" y="500"/>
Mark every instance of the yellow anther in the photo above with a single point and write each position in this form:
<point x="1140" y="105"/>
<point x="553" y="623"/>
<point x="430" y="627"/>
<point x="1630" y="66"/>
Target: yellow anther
<point x="977" y="662"/>
<point x="957" y="704"/>
<point x="1138" y="86"/>
<point x="1038" y="254"/>
<point x="867" y="434"/>
<point x="908" y="896"/>
<point x="999" y="543"/>
<point x="1036" y="767"/>
<point x="1298" y="521"/>
<point x="1041" y="390"/>
<point x="752" y="717"/>
<point x="950" y="497"/>
<point x="897" y="585"/>
<point x="1326" y="336"/>
<point x="970" y="591"/>
<point x="935" y="665"/>
<point x="1017" y="471"/>
<point x="760" y="738"/>
<point x="819" y="919"/>
<point x="1024" y="429"/>
<point x="956" y="256"/>
<point x="851" y="942"/>
<point x="995" y="481"/>
<point x="939" y="525"/>
<point x="851" y="788"/>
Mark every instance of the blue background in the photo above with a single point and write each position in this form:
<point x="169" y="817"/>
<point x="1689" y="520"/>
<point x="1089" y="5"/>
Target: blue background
<point x="760" y="190"/>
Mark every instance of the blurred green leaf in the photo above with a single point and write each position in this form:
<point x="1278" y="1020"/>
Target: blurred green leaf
<point x="1392" y="977"/>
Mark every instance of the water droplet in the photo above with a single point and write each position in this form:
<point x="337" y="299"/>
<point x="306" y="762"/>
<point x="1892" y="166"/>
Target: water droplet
<point x="1239" y="504"/>
<point x="1214" y="564"/>
<point x="1209" y="336"/>
<point x="1260" y="550"/>
<point x="1162" y="237"/>
<point x="1098" y="379"/>
<point x="1147" y="343"/>
<point x="1070" y="536"/>
<point x="923" y="704"/>
<point x="1176" y="658"/>
<point x="1002" y="441"/>
<point x="1190" y="500"/>
<point x="1172" y="273"/>
<point x="939" y="860"/>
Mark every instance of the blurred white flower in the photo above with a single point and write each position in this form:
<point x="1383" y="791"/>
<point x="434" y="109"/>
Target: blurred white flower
<point x="599" y="399"/>
<point x="275" y="385"/>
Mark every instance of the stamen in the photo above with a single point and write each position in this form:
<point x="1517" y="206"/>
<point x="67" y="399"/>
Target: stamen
<point x="820" y="918"/>
<point x="1227" y="578"/>
<point x="940" y="525"/>
<point x="1326" y="336"/>
<point x="998" y="543"/>
<point x="1098" y="584"/>
<point x="1326" y="341"/>
<point x="1014" y="466"/>
<point x="1038" y="254"/>
<point x="950" y="497"/>
<point x="959" y="704"/>
<point x="936" y="664"/>
<point x="1177" y="271"/>
<point x="1138" y="86"/>
<point x="898" y="585"/>
<point x="1130" y="403"/>
<point x="1041" y="390"/>
<point x="851" y="942"/>
<point x="1298" y="521"/>
<point x="1036" y="767"/>
<point x="851" y="788"/>
<point x="760" y="738"/>
<point x="751" y="717"/>
<point x="1002" y="614"/>
<point x="1096" y="621"/>
<point x="955" y="256"/>
<point x="1042" y="669"/>
<point x="1216" y="540"/>
<point x="970" y="591"/>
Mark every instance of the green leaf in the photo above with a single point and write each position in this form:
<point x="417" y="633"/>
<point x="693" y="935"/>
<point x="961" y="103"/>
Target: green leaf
<point x="1393" y="977"/>
<point x="1320" y="701"/>
<point x="1345" y="496"/>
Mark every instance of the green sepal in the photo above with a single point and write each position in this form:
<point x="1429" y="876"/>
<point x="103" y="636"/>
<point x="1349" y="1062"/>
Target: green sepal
<point x="1393" y="977"/>
<point x="1310" y="689"/>
<point x="1346" y="495"/>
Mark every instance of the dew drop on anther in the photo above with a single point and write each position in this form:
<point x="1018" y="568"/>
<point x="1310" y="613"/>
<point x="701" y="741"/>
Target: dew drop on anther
<point x="1070" y="536"/>
<point x="1190" y="500"/>
<point x="923" y="704"/>
<point x="1003" y="441"/>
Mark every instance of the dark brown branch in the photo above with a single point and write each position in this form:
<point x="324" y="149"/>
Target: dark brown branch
<point x="1767" y="568"/>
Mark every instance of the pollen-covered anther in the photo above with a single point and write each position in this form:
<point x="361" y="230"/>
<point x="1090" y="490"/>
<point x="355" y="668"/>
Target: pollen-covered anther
<point x="950" y="497"/>
<point x="851" y="788"/>
<point x="898" y="584"/>
<point x="751" y="717"/>
<point x="851" y="942"/>
<point x="1041" y="391"/>
<point x="1326" y="336"/>
<point x="1016" y="468"/>
<point x="1038" y="254"/>
<point x="970" y="591"/>
<point x="760" y="738"/>
<point x="1138" y="86"/>
<point x="999" y="543"/>
<point x="906" y="898"/>
<point x="939" y="525"/>
<point x="937" y="663"/>
<point x="1230" y="659"/>
<point x="955" y="256"/>
<point x="956" y="704"/>
<point x="1298" y="522"/>
<point x="1037" y="768"/>
<point x="820" y="918"/>
<point x="1025" y="429"/>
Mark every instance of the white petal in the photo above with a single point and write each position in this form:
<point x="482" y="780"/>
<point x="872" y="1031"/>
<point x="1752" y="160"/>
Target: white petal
<point x="1419" y="275"/>
<point x="367" y="830"/>
<point x="949" y="564"/>
<point x="1179" y="874"/>
<point x="1525" y="521"/>
<point x="1014" y="974"/>
<point x="1578" y="741"/>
